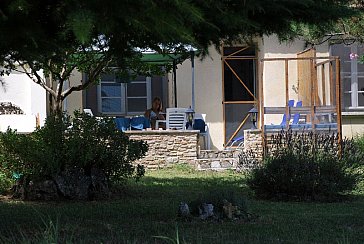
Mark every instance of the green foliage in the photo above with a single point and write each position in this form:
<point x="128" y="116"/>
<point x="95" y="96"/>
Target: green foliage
<point x="82" y="143"/>
<point x="306" y="166"/>
<point x="89" y="36"/>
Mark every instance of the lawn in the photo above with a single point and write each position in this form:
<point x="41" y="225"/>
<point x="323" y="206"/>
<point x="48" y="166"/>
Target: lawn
<point x="149" y="208"/>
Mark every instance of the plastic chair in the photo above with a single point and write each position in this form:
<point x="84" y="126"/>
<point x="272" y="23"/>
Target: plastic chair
<point x="176" y="118"/>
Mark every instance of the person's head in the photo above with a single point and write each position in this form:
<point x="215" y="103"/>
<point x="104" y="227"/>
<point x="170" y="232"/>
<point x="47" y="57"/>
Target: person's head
<point x="157" y="104"/>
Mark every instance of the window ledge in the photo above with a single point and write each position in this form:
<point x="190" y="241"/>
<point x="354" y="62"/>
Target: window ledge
<point x="353" y="113"/>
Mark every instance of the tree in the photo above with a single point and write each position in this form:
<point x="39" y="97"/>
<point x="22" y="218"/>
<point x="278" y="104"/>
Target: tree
<point x="61" y="36"/>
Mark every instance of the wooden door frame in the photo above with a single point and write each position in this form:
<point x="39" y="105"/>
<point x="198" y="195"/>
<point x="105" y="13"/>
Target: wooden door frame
<point x="224" y="59"/>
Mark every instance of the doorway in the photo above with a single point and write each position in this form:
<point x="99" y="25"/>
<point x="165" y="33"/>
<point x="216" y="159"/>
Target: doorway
<point x="239" y="89"/>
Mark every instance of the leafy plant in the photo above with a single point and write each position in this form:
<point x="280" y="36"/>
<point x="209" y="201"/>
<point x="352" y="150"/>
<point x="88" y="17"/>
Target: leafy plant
<point x="306" y="166"/>
<point x="82" y="143"/>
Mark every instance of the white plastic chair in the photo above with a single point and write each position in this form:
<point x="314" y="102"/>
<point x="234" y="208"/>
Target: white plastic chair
<point x="176" y="119"/>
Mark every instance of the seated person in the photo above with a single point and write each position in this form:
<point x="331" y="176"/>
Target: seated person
<point x="154" y="113"/>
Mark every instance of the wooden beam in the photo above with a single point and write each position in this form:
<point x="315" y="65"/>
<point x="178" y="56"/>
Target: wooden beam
<point x="313" y="92"/>
<point x="323" y="81"/>
<point x="286" y="92"/>
<point x="331" y="78"/>
<point x="338" y="104"/>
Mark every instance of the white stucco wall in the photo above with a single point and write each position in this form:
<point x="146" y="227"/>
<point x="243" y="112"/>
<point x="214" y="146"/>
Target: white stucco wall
<point x="74" y="101"/>
<point x="208" y="92"/>
<point x="24" y="93"/>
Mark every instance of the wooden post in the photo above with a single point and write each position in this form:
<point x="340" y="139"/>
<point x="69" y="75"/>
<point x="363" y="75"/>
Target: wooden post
<point x="261" y="105"/>
<point x="287" y="93"/>
<point x="313" y="92"/>
<point x="338" y="104"/>
<point x="331" y="85"/>
<point x="323" y="81"/>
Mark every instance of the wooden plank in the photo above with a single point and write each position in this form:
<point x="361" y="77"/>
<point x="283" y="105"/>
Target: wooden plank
<point x="323" y="84"/>
<point x="223" y="94"/>
<point x="313" y="92"/>
<point x="338" y="104"/>
<point x="287" y="91"/>
<point x="240" y="58"/>
<point x="332" y="58"/>
<point x="304" y="75"/>
<point x="239" y="102"/>
<point x="325" y="109"/>
<point x="331" y="87"/>
<point x="261" y="105"/>
<point x="275" y="110"/>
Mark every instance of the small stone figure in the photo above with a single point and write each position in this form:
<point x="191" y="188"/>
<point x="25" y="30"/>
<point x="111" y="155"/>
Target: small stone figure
<point x="183" y="210"/>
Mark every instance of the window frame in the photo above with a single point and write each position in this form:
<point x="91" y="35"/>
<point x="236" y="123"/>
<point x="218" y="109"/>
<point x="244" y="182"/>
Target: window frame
<point x="124" y="96"/>
<point x="354" y="75"/>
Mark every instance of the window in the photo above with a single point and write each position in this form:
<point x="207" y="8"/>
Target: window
<point x="116" y="98"/>
<point x="352" y="74"/>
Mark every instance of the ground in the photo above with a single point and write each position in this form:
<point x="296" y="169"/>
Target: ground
<point x="149" y="208"/>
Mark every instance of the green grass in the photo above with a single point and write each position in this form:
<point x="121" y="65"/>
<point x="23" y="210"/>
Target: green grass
<point x="149" y="208"/>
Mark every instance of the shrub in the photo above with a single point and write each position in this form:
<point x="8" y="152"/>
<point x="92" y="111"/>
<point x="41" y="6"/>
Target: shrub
<point x="306" y="166"/>
<point x="64" y="144"/>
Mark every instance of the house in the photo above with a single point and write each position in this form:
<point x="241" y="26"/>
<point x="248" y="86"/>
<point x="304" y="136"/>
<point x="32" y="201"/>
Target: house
<point x="22" y="103"/>
<point x="226" y="87"/>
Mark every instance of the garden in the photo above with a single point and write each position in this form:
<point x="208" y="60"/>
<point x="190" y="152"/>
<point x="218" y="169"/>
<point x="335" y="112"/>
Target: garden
<point x="55" y="191"/>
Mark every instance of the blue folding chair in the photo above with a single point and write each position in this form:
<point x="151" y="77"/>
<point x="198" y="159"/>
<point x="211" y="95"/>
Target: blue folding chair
<point x="296" y="117"/>
<point x="122" y="124"/>
<point x="282" y="125"/>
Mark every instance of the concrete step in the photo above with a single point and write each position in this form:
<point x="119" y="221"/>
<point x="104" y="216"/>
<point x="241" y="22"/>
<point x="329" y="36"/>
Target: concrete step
<point x="216" y="163"/>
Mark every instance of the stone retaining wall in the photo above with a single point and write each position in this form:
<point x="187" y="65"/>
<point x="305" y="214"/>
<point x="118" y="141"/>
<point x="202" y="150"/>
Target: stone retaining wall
<point x="253" y="143"/>
<point x="167" y="147"/>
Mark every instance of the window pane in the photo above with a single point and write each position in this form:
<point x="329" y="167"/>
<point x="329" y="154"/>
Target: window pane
<point x="347" y="99"/>
<point x="137" y="104"/>
<point x="111" y="105"/>
<point x="360" y="84"/>
<point x="347" y="84"/>
<point x="137" y="89"/>
<point x="110" y="90"/>
<point x="361" y="99"/>
<point x="108" y="77"/>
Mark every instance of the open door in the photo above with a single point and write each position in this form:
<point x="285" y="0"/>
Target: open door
<point x="239" y="89"/>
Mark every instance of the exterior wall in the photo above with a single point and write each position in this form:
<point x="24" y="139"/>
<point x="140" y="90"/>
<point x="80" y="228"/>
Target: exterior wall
<point x="353" y="124"/>
<point x="167" y="147"/>
<point x="24" y="93"/>
<point x="208" y="92"/>
<point x="75" y="100"/>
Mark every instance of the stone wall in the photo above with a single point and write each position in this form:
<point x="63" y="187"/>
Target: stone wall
<point x="167" y="147"/>
<point x="253" y="142"/>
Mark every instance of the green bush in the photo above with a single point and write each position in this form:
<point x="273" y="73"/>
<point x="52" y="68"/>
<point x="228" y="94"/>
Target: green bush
<point x="64" y="144"/>
<point x="306" y="167"/>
